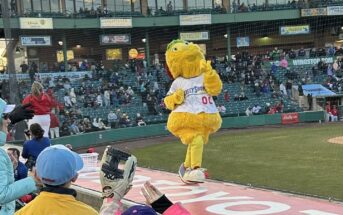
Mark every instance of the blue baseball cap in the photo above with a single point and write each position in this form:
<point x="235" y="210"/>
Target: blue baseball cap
<point x="57" y="165"/>
<point x="140" y="210"/>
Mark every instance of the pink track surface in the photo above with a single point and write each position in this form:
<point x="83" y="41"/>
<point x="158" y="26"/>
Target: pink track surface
<point x="220" y="198"/>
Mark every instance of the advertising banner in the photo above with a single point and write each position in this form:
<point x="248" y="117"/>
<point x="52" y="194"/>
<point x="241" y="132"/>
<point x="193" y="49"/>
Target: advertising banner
<point x="114" y="54"/>
<point x="295" y="30"/>
<point x="70" y="75"/>
<point x="115" y="22"/>
<point x="200" y="19"/>
<point x="314" y="12"/>
<point x="289" y="118"/>
<point x="195" y="36"/>
<point x="308" y="61"/>
<point x="115" y="39"/>
<point x="335" y="10"/>
<point x="243" y="41"/>
<point x="36" y="23"/>
<point x="60" y="56"/>
<point x="35" y="40"/>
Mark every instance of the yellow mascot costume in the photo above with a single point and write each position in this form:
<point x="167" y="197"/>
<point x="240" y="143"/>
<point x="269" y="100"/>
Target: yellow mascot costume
<point x="194" y="114"/>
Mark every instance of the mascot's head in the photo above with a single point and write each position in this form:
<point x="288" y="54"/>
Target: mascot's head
<point x="183" y="59"/>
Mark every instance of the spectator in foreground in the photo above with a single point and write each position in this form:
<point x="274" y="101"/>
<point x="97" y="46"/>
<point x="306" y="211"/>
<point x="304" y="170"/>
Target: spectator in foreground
<point x="41" y="105"/>
<point x="140" y="120"/>
<point x="32" y="148"/>
<point x="11" y="190"/>
<point x="20" y="170"/>
<point x="56" y="195"/>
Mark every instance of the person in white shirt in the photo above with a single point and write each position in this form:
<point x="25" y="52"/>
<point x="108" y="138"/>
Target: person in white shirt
<point x="130" y="91"/>
<point x="99" y="100"/>
<point x="256" y="109"/>
<point x="283" y="89"/>
<point x="107" y="98"/>
<point x="221" y="109"/>
<point x="248" y="111"/>
<point x="67" y="101"/>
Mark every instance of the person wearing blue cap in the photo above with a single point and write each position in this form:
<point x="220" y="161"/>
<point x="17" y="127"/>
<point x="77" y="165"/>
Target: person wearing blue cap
<point x="10" y="190"/>
<point x="56" y="169"/>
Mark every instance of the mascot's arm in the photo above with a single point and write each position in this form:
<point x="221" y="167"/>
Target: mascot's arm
<point x="174" y="99"/>
<point x="213" y="84"/>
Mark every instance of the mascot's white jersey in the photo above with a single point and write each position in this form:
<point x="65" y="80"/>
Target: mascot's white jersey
<point x="196" y="98"/>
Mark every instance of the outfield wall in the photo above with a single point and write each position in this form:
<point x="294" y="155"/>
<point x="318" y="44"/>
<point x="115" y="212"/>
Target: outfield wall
<point x="122" y="134"/>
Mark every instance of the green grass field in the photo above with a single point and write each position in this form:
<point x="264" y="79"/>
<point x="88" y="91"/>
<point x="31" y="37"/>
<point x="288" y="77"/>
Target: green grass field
<point x="296" y="159"/>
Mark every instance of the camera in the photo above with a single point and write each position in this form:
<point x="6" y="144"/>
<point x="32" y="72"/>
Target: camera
<point x="27" y="132"/>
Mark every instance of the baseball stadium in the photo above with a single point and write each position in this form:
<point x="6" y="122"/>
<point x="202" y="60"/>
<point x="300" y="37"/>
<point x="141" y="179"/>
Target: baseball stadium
<point x="173" y="107"/>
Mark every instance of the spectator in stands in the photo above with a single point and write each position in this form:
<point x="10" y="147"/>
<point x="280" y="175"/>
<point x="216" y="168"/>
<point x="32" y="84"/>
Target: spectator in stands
<point x="33" y="70"/>
<point x="300" y="90"/>
<point x="107" y="98"/>
<point x="274" y="68"/>
<point x="221" y="108"/>
<point x="124" y="120"/>
<point x="334" y="114"/>
<point x="72" y="96"/>
<point x="24" y="67"/>
<point x="42" y="105"/>
<point x="67" y="101"/>
<point x="301" y="52"/>
<point x="57" y="168"/>
<point x="99" y="100"/>
<point x="292" y="54"/>
<point x="226" y="96"/>
<point x="331" y="51"/>
<point x="74" y="129"/>
<point x="140" y="120"/>
<point x="112" y="119"/>
<point x="284" y="63"/>
<point x="102" y="125"/>
<point x="54" y="125"/>
<point x="329" y="70"/>
<point x="169" y="7"/>
<point x="248" y="111"/>
<point x="283" y="89"/>
<point x="289" y="88"/>
<point x="20" y="170"/>
<point x="327" y="112"/>
<point x="32" y="148"/>
<point x="256" y="109"/>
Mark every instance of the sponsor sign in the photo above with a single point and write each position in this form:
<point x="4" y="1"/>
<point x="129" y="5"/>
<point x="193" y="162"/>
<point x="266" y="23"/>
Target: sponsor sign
<point x="200" y="19"/>
<point x="36" y="23"/>
<point x="133" y="53"/>
<point x="114" y="54"/>
<point x="314" y="12"/>
<point x="115" y="22"/>
<point x="335" y="10"/>
<point x="242" y="41"/>
<point x="195" y="36"/>
<point x="295" y="30"/>
<point x="202" y="48"/>
<point x="289" y="118"/>
<point x="60" y="56"/>
<point x="115" y="39"/>
<point x="70" y="75"/>
<point x="35" y="40"/>
<point x="309" y="61"/>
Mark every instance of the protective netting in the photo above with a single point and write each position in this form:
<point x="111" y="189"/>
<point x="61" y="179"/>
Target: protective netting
<point x="103" y="64"/>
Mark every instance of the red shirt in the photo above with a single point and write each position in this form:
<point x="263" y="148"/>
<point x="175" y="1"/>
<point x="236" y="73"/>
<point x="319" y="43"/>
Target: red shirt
<point x="226" y="97"/>
<point x="328" y="108"/>
<point x="334" y="112"/>
<point x="41" y="105"/>
<point x="54" y="122"/>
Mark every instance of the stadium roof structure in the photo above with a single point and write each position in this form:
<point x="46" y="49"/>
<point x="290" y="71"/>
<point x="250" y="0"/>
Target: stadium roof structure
<point x="317" y="90"/>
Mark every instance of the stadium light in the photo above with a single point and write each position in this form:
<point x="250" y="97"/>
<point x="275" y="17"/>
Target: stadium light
<point x="342" y="28"/>
<point x="60" y="43"/>
<point x="78" y="46"/>
<point x="144" y="40"/>
<point x="225" y="35"/>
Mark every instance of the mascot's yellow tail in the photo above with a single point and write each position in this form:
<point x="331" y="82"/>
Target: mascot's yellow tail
<point x="194" y="153"/>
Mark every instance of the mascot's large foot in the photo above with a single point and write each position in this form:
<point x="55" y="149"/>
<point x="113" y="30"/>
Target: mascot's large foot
<point x="195" y="175"/>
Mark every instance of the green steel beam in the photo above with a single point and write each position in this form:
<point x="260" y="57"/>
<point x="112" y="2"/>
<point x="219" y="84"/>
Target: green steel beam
<point x="139" y="22"/>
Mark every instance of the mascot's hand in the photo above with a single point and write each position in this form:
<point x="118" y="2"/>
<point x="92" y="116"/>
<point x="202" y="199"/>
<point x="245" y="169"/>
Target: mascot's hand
<point x="212" y="82"/>
<point x="206" y="68"/>
<point x="176" y="98"/>
<point x="179" y="96"/>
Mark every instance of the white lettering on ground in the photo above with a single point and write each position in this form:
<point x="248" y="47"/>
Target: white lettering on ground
<point x="192" y="190"/>
<point x="315" y="212"/>
<point x="223" y="209"/>
<point x="215" y="197"/>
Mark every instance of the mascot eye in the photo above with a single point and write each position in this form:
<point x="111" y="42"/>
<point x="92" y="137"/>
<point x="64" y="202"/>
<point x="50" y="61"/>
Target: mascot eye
<point x="187" y="43"/>
<point x="175" y="49"/>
